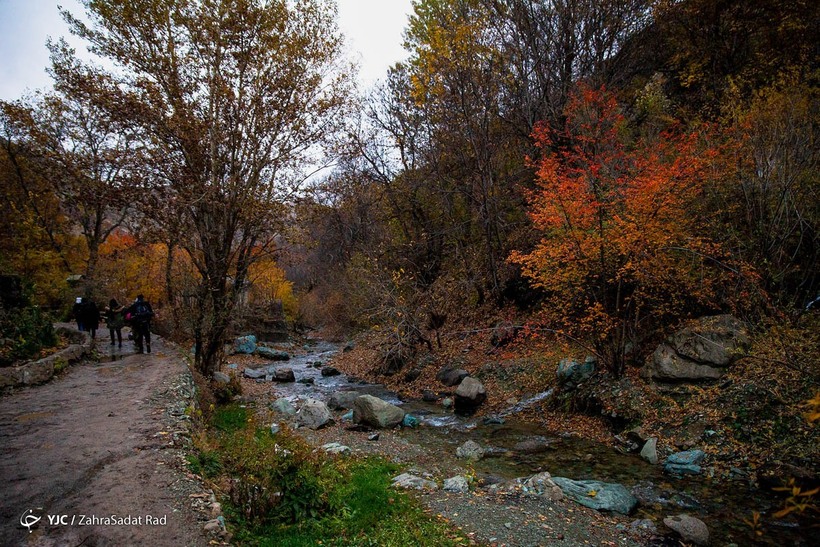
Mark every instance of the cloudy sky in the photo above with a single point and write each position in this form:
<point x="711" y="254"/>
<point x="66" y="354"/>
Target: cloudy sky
<point x="373" y="28"/>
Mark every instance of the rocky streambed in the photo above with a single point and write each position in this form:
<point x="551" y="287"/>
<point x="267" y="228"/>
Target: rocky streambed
<point x="511" y="469"/>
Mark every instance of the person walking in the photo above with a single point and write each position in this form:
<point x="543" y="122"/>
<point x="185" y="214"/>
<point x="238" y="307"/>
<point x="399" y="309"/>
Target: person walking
<point x="141" y="314"/>
<point x="91" y="316"/>
<point x="115" y="318"/>
<point x="77" y="312"/>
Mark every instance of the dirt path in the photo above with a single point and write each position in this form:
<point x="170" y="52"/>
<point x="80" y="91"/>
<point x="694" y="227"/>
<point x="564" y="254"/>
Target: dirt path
<point x="102" y="440"/>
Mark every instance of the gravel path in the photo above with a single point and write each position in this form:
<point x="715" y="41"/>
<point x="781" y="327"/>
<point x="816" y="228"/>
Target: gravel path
<point x="102" y="440"/>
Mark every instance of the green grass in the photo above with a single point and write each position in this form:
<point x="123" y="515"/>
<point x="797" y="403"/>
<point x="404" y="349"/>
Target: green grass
<point x="317" y="499"/>
<point x="230" y="418"/>
<point x="367" y="512"/>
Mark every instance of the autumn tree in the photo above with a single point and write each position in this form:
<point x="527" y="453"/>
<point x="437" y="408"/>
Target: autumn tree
<point x="231" y="99"/>
<point x="622" y="249"/>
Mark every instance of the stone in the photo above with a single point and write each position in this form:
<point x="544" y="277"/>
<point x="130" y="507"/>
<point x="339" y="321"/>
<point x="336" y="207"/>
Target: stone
<point x="571" y="373"/>
<point x="272" y="354"/>
<point x="349" y="346"/>
<point x="212" y="526"/>
<point x="245" y="344"/>
<point x="493" y="420"/>
<point x="283" y="406"/>
<point x="470" y="450"/>
<point x="372" y="411"/>
<point x="457" y="484"/>
<point x="284" y="375"/>
<point x="469" y="395"/>
<point x="412" y="375"/>
<point x="643" y="525"/>
<point x="233" y="366"/>
<point x="542" y="485"/>
<point x="533" y="445"/>
<point x="408" y="481"/>
<point x="255" y="373"/>
<point x="600" y="496"/>
<point x="347" y="416"/>
<point x="429" y="396"/>
<point x="684" y="463"/>
<point x="691" y="530"/>
<point x="447" y="403"/>
<point x="313" y="414"/>
<point x="451" y="376"/>
<point x="306" y="381"/>
<point x="373" y="437"/>
<point x="275" y="428"/>
<point x="336" y="448"/>
<point x="330" y="371"/>
<point x="649" y="452"/>
<point x="342" y="400"/>
<point x="701" y="351"/>
<point x="409" y="421"/>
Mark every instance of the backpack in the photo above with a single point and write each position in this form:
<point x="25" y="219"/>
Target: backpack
<point x="142" y="311"/>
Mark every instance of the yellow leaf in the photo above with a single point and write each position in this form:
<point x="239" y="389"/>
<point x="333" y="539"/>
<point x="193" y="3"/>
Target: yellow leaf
<point x="592" y="493"/>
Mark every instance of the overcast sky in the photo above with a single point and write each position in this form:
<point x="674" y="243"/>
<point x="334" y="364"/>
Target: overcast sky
<point x="373" y="29"/>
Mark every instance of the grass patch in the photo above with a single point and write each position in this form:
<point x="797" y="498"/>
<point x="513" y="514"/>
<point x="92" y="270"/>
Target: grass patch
<point x="230" y="418"/>
<point x="279" y="491"/>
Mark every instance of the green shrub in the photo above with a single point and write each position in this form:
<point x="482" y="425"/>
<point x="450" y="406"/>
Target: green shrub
<point x="24" y="332"/>
<point x="205" y="463"/>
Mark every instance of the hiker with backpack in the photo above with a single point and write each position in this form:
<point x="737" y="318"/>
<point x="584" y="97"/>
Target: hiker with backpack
<point x="139" y="314"/>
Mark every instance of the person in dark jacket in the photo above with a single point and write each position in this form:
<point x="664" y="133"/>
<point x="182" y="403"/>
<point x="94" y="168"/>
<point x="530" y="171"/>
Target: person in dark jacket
<point x="141" y="313"/>
<point x="115" y="318"/>
<point x="77" y="312"/>
<point x="90" y="315"/>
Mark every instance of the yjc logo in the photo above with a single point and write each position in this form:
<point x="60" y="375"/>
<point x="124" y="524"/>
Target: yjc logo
<point x="29" y="519"/>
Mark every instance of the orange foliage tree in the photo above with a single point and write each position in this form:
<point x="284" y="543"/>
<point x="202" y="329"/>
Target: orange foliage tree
<point x="622" y="249"/>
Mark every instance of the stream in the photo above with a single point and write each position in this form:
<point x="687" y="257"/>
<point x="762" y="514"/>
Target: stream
<point x="723" y="506"/>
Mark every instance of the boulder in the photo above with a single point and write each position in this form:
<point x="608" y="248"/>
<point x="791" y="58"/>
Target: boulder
<point x="330" y="371"/>
<point x="649" y="452"/>
<point x="272" y="354"/>
<point x="255" y="373"/>
<point x="451" y="376"/>
<point x="684" y="463"/>
<point x="571" y="373"/>
<point x="429" y="396"/>
<point x="409" y="421"/>
<point x="702" y="351"/>
<point x="336" y="448"/>
<point x="457" y="484"/>
<point x="600" y="496"/>
<point x="470" y="450"/>
<point x="408" y="481"/>
<point x="469" y="395"/>
<point x="283" y="406"/>
<point x="372" y="411"/>
<point x="245" y="344"/>
<point x="284" y="375"/>
<point x="542" y="485"/>
<point x="221" y="378"/>
<point x="313" y="414"/>
<point x="342" y="400"/>
<point x="691" y="530"/>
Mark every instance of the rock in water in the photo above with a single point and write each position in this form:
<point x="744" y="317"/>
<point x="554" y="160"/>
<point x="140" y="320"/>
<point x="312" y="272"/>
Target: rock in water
<point x="313" y="414"/>
<point x="372" y="411"/>
<point x="601" y="496"/>
<point x="692" y="530"/>
<point x="284" y="374"/>
<point x="330" y="371"/>
<point x="469" y="395"/>
<point x="684" y="463"/>
<point x="272" y="354"/>
<point x="649" y="452"/>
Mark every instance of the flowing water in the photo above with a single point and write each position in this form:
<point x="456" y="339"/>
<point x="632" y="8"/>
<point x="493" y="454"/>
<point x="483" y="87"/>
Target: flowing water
<point x="723" y="506"/>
